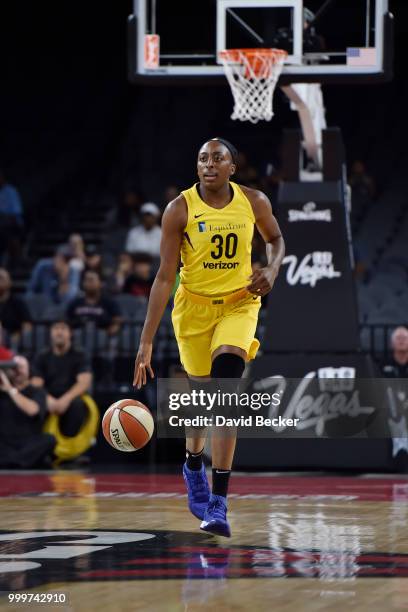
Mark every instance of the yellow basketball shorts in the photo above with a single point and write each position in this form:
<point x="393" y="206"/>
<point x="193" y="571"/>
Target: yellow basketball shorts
<point x="201" y="328"/>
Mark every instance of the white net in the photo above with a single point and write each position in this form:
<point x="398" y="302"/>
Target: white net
<point x="252" y="75"/>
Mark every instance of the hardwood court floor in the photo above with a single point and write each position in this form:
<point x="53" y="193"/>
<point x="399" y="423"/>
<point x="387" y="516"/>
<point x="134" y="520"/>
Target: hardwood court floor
<point x="124" y="542"/>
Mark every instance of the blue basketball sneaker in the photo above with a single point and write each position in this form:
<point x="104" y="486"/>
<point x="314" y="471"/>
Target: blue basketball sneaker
<point x="198" y="490"/>
<point x="215" y="517"/>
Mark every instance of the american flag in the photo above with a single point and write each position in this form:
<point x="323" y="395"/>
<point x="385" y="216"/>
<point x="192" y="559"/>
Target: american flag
<point x="361" y="56"/>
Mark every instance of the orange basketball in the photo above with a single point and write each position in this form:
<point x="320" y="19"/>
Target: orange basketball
<point x="127" y="425"/>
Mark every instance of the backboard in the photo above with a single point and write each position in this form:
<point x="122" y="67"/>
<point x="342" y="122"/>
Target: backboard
<point x="326" y="40"/>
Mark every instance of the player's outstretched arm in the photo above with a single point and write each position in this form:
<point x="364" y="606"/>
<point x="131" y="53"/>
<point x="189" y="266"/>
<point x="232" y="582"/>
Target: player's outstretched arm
<point x="173" y="224"/>
<point x="261" y="281"/>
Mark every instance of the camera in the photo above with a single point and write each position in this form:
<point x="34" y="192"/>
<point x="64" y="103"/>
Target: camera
<point x="7" y="365"/>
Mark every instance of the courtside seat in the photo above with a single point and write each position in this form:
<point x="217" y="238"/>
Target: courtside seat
<point x="113" y="243"/>
<point x="403" y="300"/>
<point x="379" y="226"/>
<point x="37" y="305"/>
<point x="35" y="340"/>
<point x="365" y="339"/>
<point x="391" y="282"/>
<point x="129" y="337"/>
<point x="398" y="250"/>
<point x="394" y="265"/>
<point x="161" y="341"/>
<point x="68" y="448"/>
<point x="375" y="339"/>
<point x="376" y="294"/>
<point x="132" y="307"/>
<point x="391" y="314"/>
<point x="54" y="311"/>
<point x="365" y="306"/>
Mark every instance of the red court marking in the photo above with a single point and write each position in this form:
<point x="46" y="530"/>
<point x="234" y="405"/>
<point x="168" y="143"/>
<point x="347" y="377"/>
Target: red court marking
<point x="266" y="554"/>
<point x="179" y="560"/>
<point x="177" y="571"/>
<point x="394" y="571"/>
<point x="372" y="489"/>
<point x="164" y="572"/>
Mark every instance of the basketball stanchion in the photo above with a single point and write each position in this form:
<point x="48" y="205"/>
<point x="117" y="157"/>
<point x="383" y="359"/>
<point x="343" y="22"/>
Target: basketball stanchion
<point x="252" y="75"/>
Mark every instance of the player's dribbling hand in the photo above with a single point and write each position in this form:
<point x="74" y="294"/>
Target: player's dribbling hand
<point x="262" y="281"/>
<point x="142" y="363"/>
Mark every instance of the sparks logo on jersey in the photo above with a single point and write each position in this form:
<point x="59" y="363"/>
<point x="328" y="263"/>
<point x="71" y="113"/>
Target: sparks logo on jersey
<point x="201" y="226"/>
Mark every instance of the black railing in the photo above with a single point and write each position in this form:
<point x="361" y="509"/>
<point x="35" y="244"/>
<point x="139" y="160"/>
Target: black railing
<point x="375" y="339"/>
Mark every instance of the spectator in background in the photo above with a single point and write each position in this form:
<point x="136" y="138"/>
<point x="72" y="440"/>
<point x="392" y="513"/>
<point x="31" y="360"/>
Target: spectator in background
<point x="397" y="367"/>
<point x="5" y="353"/>
<point x="361" y="183"/>
<point x="14" y="315"/>
<point x="126" y="214"/>
<point x="123" y="269"/>
<point x="361" y="193"/>
<point x="77" y="248"/>
<point x="118" y="221"/>
<point x="93" y="259"/>
<point x="11" y="218"/>
<point x="55" y="278"/>
<point x="245" y="174"/>
<point x="271" y="179"/>
<point x="84" y="257"/>
<point x="146" y="238"/>
<point x="139" y="281"/>
<point x="171" y="192"/>
<point x="361" y="262"/>
<point x="94" y="307"/>
<point x="65" y="374"/>
<point x="23" y="409"/>
<point x="10" y="202"/>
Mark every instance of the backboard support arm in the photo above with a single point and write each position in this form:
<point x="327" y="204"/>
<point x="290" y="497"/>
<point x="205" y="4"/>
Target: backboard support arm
<point x="307" y="100"/>
<point x="245" y="26"/>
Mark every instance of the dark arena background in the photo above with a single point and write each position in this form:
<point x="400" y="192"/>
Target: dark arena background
<point x="94" y="142"/>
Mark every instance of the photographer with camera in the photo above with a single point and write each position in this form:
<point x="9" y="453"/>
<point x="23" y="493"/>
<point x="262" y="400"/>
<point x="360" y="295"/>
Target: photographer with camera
<point x="23" y="409"/>
<point x="5" y="353"/>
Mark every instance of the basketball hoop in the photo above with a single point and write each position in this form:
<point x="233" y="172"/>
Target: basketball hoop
<point x="252" y="75"/>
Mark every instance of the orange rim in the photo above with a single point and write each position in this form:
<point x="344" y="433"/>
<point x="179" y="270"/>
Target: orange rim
<point x="233" y="55"/>
<point x="261" y="61"/>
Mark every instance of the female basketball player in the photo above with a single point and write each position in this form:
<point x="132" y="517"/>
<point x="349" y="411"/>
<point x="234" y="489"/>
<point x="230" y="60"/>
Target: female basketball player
<point x="216" y="305"/>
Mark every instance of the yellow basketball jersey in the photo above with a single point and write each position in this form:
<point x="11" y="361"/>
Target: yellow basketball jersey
<point x="217" y="244"/>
